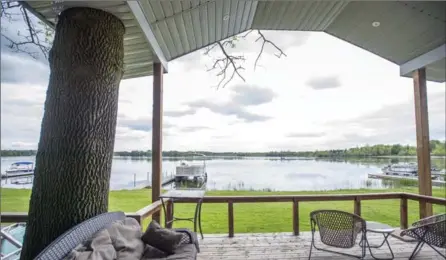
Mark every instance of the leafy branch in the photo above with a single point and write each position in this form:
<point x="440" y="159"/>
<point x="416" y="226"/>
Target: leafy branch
<point x="228" y="66"/>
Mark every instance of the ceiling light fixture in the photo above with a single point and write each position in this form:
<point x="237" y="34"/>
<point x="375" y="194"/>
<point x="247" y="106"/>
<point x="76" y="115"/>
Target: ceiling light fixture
<point x="376" y="24"/>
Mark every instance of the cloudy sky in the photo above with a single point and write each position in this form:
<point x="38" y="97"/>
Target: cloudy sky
<point x="325" y="94"/>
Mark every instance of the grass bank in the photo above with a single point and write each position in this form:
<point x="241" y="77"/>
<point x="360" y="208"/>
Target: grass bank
<point x="248" y="217"/>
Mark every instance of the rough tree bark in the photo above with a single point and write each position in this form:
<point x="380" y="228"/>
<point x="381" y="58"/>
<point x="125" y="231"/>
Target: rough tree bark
<point x="75" y="150"/>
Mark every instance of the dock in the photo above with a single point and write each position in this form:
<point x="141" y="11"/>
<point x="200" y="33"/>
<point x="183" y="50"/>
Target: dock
<point x="145" y="184"/>
<point x="437" y="183"/>
<point x="4" y="176"/>
<point x="168" y="181"/>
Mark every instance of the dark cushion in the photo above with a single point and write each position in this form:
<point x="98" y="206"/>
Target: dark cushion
<point x="164" y="239"/>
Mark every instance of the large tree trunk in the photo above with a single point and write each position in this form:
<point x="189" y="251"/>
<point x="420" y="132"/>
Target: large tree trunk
<point x="75" y="151"/>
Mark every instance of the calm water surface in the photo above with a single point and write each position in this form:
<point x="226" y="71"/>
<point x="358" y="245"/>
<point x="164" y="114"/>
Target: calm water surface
<point x="253" y="173"/>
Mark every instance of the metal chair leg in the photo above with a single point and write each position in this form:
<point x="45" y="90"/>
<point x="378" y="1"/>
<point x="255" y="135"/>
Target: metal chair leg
<point x="416" y="250"/>
<point x="364" y="245"/>
<point x="421" y="244"/>
<point x="436" y="250"/>
<point x="312" y="238"/>
<point x="311" y="246"/>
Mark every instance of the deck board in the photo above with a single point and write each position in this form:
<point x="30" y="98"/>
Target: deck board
<point x="287" y="246"/>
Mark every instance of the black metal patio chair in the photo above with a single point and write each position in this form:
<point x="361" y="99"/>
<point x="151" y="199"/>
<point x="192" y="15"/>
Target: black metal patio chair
<point x="429" y="231"/>
<point x="338" y="229"/>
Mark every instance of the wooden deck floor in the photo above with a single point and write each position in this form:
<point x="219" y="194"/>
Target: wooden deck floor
<point x="287" y="246"/>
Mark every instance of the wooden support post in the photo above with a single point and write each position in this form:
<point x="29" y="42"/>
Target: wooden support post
<point x="403" y="213"/>
<point x="357" y="206"/>
<point x="296" y="217"/>
<point x="423" y="149"/>
<point x="157" y="134"/>
<point x="231" y="218"/>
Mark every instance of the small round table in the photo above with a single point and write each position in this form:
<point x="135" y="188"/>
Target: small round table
<point x="190" y="194"/>
<point x="380" y="228"/>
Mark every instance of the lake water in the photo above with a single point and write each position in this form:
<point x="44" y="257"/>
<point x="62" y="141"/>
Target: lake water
<point x="253" y="173"/>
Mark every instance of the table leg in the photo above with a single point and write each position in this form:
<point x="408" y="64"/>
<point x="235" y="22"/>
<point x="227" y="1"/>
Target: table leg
<point x="200" y="202"/>
<point x="169" y="215"/>
<point x="164" y="209"/>
<point x="386" y="236"/>
<point x="196" y="217"/>
<point x="173" y="214"/>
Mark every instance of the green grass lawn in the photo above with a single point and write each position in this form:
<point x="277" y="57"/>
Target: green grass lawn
<point x="248" y="217"/>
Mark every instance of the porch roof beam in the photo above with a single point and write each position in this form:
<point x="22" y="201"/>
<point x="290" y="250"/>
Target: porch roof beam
<point x="148" y="32"/>
<point x="423" y="60"/>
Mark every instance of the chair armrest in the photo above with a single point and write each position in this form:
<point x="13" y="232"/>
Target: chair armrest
<point x="406" y="232"/>
<point x="192" y="237"/>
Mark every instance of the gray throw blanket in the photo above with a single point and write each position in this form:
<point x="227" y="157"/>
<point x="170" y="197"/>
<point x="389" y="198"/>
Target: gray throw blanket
<point x="120" y="241"/>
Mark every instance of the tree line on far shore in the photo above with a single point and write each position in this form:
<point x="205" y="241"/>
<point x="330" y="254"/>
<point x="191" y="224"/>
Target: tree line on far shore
<point x="437" y="148"/>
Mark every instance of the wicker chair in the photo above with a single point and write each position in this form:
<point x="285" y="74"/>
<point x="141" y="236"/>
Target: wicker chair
<point x="429" y="231"/>
<point x="338" y="229"/>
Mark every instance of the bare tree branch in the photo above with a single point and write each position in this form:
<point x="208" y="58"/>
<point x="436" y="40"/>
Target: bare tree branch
<point x="34" y="36"/>
<point x="233" y="63"/>
<point x="247" y="33"/>
<point x="207" y="51"/>
<point x="227" y="62"/>
<point x="5" y="12"/>
<point x="279" y="55"/>
<point x="39" y="34"/>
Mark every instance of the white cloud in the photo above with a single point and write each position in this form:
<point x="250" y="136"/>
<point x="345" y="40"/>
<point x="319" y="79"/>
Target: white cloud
<point x="320" y="83"/>
<point x="325" y="94"/>
<point x="16" y="69"/>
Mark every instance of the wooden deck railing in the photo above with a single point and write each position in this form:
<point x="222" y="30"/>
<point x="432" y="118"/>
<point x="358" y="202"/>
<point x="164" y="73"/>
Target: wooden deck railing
<point x="13" y="217"/>
<point x="140" y="215"/>
<point x="295" y="201"/>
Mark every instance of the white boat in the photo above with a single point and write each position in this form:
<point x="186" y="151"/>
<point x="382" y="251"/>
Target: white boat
<point x="408" y="170"/>
<point x="190" y="175"/>
<point x="190" y="172"/>
<point x="19" y="169"/>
